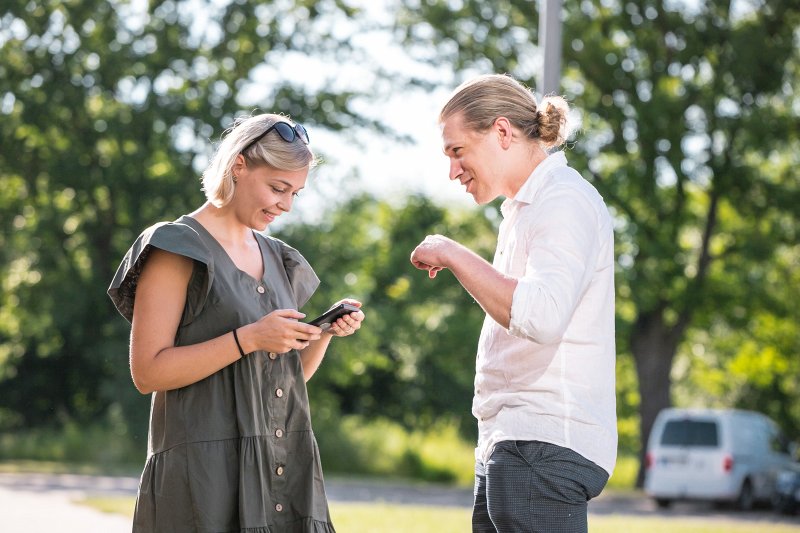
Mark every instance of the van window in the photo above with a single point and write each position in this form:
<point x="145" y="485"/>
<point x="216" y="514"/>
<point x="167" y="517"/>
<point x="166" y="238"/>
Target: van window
<point x="690" y="433"/>
<point x="779" y="442"/>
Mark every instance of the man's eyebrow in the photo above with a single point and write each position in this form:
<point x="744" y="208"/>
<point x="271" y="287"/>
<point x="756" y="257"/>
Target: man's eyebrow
<point x="449" y="146"/>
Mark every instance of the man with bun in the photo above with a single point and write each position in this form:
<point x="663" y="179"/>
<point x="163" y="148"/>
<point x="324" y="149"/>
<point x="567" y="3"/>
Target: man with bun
<point x="545" y="378"/>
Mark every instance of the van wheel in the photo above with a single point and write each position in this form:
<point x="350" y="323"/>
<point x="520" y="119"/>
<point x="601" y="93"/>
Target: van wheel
<point x="663" y="503"/>
<point x="746" y="499"/>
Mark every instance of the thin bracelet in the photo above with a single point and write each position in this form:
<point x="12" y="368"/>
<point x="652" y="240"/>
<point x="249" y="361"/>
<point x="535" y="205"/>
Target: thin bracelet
<point x="236" y="338"/>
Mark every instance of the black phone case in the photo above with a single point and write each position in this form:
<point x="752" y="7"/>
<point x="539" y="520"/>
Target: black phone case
<point x="330" y="316"/>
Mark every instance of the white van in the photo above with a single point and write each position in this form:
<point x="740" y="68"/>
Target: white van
<point x="723" y="455"/>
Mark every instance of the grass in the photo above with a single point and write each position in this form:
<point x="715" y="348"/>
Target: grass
<point x="56" y="467"/>
<point x="385" y="518"/>
<point x="122" y="505"/>
<point x="629" y="524"/>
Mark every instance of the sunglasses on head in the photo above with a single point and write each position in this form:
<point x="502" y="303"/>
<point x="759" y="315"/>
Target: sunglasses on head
<point x="286" y="131"/>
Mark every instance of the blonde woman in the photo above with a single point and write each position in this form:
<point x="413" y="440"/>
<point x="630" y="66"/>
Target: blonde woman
<point x="217" y="338"/>
<point x="544" y="385"/>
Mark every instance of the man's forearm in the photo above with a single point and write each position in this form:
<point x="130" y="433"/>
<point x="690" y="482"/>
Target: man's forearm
<point x="493" y="290"/>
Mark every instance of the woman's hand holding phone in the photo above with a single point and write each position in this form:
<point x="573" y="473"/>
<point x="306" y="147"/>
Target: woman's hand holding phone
<point x="342" y="319"/>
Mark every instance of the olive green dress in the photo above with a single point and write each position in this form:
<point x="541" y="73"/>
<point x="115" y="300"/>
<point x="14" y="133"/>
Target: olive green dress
<point x="234" y="451"/>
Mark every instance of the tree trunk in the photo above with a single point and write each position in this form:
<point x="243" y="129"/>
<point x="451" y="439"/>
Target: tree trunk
<point x="653" y="345"/>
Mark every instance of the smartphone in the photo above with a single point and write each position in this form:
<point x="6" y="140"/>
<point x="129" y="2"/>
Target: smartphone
<point x="330" y="316"/>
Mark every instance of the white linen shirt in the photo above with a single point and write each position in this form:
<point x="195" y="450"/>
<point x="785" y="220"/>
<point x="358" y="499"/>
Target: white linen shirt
<point x="550" y="377"/>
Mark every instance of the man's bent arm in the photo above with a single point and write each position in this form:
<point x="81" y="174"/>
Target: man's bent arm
<point x="492" y="290"/>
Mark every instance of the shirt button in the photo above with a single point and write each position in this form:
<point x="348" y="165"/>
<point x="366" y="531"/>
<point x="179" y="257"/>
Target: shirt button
<point x="261" y="290"/>
<point x="279" y="470"/>
<point x="279" y="433"/>
<point x="273" y="355"/>
<point x="278" y="507"/>
<point x="279" y="393"/>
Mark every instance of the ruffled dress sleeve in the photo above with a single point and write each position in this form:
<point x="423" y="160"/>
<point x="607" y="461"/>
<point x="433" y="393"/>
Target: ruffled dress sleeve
<point x="302" y="278"/>
<point x="172" y="237"/>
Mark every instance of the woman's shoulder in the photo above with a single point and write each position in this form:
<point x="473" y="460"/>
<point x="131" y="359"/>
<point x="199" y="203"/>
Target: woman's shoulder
<point x="180" y="237"/>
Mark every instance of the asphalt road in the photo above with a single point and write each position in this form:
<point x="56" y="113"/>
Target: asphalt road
<point x="43" y="503"/>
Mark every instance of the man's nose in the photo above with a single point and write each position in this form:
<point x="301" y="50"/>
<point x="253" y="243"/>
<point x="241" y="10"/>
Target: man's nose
<point x="455" y="169"/>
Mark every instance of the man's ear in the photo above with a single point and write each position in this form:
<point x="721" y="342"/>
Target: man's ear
<point x="504" y="131"/>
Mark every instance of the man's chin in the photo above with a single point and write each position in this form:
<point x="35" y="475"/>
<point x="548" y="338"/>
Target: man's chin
<point x="481" y="200"/>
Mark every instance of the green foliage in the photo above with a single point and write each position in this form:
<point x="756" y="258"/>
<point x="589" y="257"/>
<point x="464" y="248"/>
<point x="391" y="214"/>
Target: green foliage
<point x="107" y="107"/>
<point x="761" y="374"/>
<point x="624" y="476"/>
<point x="106" y="444"/>
<point x="627" y="406"/>
<point x="354" y="445"/>
<point x="413" y="360"/>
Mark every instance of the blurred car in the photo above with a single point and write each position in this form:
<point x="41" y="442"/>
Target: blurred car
<point x="720" y="455"/>
<point x="786" y="499"/>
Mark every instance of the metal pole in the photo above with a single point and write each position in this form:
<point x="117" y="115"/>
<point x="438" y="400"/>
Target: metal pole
<point x="550" y="43"/>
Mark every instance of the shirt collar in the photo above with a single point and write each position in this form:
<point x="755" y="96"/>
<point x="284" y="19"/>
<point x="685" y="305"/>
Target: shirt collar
<point x="536" y="180"/>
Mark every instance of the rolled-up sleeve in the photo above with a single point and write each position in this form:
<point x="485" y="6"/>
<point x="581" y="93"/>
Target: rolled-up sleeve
<point x="562" y="252"/>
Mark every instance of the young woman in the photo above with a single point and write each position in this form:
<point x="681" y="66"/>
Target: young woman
<point x="217" y="338"/>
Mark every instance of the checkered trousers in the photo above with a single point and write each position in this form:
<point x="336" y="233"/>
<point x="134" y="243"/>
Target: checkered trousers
<point x="534" y="487"/>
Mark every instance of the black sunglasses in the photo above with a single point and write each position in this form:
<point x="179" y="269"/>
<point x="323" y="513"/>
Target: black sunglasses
<point x="285" y="130"/>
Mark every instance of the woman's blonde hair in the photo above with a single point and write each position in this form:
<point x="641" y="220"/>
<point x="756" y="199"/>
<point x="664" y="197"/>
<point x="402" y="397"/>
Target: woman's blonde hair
<point x="485" y="98"/>
<point x="271" y="150"/>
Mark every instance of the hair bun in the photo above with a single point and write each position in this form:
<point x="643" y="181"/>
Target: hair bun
<point x="552" y="120"/>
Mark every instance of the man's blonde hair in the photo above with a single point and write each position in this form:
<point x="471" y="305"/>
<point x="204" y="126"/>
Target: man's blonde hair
<point x="484" y="99"/>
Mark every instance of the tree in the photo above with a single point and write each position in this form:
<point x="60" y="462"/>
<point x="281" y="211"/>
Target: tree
<point x="689" y="130"/>
<point x="750" y="362"/>
<point x="107" y="112"/>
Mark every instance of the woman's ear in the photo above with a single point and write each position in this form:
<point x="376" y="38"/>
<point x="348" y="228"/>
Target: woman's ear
<point x="239" y="164"/>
